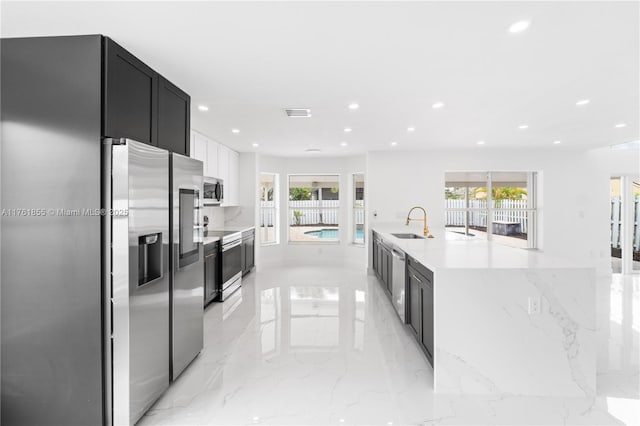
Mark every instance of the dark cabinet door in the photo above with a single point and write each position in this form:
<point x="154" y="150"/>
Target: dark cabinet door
<point x="247" y="254"/>
<point x="427" y="319"/>
<point x="211" y="272"/>
<point x="243" y="257"/>
<point x="374" y="254"/>
<point x="389" y="272"/>
<point x="250" y="254"/>
<point x="174" y="115"/>
<point x="130" y="96"/>
<point x="415" y="303"/>
<point x="384" y="272"/>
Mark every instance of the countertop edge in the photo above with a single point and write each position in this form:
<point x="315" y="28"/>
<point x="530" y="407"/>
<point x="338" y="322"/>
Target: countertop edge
<point x="548" y="262"/>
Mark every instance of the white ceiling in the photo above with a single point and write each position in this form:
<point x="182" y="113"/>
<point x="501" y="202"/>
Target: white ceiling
<point x="248" y="60"/>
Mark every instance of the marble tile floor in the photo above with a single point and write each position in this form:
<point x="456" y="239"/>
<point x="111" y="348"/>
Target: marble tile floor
<point x="323" y="345"/>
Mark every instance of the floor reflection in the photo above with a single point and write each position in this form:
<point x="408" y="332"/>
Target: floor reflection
<point x="312" y="345"/>
<point x="619" y="336"/>
<point x="311" y="319"/>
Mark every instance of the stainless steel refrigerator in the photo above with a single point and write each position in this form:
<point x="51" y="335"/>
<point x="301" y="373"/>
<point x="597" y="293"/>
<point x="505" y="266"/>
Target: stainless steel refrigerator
<point x="187" y="267"/>
<point x="136" y="197"/>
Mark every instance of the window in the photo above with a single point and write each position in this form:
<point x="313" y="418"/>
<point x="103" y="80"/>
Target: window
<point x="498" y="206"/>
<point x="269" y="218"/>
<point x="358" y="208"/>
<point x="625" y="224"/>
<point x="314" y="208"/>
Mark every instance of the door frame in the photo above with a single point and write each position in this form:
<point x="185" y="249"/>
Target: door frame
<point x="627" y="220"/>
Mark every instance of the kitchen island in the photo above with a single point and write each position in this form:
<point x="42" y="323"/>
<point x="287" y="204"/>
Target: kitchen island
<point x="503" y="320"/>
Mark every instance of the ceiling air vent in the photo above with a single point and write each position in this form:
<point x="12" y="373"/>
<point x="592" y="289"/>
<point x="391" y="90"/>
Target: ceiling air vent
<point x="298" y="112"/>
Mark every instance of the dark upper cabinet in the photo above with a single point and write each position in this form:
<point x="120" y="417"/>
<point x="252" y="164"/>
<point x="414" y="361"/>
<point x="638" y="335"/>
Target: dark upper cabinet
<point x="130" y="96"/>
<point x="174" y="113"/>
<point x="142" y="105"/>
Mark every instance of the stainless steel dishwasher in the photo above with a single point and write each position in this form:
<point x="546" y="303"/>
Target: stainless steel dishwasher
<point x="398" y="283"/>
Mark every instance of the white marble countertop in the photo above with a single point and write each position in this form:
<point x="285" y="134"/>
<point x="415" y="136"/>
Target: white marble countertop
<point x="234" y="228"/>
<point x="209" y="240"/>
<point x="451" y="251"/>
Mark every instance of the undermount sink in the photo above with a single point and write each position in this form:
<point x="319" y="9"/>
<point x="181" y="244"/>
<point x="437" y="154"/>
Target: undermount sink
<point x="408" y="236"/>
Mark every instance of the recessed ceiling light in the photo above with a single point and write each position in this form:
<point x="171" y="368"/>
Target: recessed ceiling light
<point x="343" y="144"/>
<point x="411" y="129"/>
<point x="583" y="102"/>
<point x="341" y="420"/>
<point x="255" y="419"/>
<point x="255" y="145"/>
<point x="480" y="142"/>
<point x="523" y="126"/>
<point x="203" y="108"/>
<point x="354" y="106"/>
<point x="620" y="125"/>
<point x="394" y="143"/>
<point x="235" y="131"/>
<point x="557" y="142"/>
<point x="312" y="151"/>
<point x="347" y="129"/>
<point x="437" y="105"/>
<point x="519" y="26"/>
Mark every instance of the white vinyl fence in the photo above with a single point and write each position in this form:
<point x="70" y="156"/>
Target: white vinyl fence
<point x="314" y="212"/>
<point x="616" y="222"/>
<point x="358" y="215"/>
<point x="267" y="213"/>
<point x="479" y="217"/>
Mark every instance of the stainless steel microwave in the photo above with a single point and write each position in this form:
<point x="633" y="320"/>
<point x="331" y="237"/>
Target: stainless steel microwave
<point x="213" y="191"/>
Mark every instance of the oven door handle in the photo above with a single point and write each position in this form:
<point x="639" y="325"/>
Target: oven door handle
<point x="231" y="245"/>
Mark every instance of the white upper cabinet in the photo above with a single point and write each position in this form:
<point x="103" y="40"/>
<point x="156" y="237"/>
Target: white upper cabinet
<point x="199" y="148"/>
<point x="223" y="164"/>
<point x="219" y="162"/>
<point x="212" y="159"/>
<point x="233" y="191"/>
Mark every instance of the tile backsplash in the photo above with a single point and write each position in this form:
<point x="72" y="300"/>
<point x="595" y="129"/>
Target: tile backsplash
<point x="238" y="216"/>
<point x="215" y="215"/>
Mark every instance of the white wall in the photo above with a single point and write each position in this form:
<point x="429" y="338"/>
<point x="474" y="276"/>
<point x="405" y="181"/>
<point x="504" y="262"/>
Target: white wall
<point x="574" y="198"/>
<point x="313" y="253"/>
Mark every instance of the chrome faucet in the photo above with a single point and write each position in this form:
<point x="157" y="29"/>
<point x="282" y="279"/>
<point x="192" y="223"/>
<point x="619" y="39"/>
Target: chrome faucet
<point x="424" y="219"/>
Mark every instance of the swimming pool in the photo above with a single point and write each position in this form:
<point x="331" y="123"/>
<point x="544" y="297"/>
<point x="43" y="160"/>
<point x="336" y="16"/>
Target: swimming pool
<point x="332" y="234"/>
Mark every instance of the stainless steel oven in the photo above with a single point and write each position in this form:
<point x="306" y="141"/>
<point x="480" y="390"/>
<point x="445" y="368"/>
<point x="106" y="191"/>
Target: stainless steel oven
<point x="231" y="264"/>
